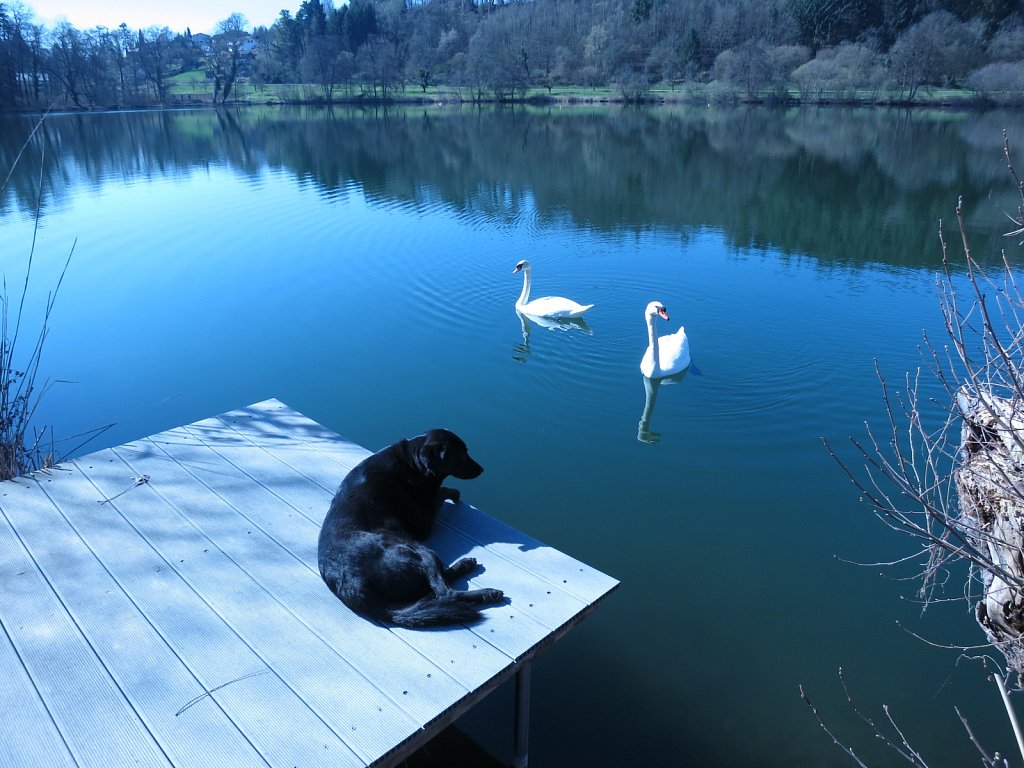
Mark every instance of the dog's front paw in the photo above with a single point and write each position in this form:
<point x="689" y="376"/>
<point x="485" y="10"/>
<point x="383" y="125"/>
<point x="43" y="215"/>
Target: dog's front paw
<point x="448" y="494"/>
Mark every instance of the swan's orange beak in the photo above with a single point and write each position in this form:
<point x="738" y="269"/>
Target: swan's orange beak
<point x="518" y="267"/>
<point x="663" y="312"/>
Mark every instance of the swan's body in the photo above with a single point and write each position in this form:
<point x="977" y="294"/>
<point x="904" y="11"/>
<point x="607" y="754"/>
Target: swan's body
<point x="666" y="355"/>
<point x="545" y="306"/>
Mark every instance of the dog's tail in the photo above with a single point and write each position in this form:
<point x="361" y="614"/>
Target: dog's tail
<point x="450" y="608"/>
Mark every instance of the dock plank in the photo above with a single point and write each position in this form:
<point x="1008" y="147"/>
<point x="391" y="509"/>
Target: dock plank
<point x="161" y="606"/>
<point x="23" y="707"/>
<point x="65" y="668"/>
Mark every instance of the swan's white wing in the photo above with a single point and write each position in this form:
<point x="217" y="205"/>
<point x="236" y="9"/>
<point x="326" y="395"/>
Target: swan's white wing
<point x="553" y="306"/>
<point x="674" y="351"/>
<point x="673" y="354"/>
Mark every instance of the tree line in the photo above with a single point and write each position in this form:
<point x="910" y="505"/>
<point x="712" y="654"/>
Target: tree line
<point x="490" y="49"/>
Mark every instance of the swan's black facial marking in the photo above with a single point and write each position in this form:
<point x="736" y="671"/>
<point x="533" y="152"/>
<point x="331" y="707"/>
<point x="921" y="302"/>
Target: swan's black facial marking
<point x="663" y="312"/>
<point x="519" y="266"/>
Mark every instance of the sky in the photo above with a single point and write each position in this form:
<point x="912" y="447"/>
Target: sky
<point x="196" y="15"/>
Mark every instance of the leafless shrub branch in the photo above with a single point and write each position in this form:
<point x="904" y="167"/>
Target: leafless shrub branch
<point x="24" y="447"/>
<point x="948" y="471"/>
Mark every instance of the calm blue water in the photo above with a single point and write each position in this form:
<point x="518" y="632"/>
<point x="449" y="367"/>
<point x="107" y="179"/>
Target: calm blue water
<point x="359" y="268"/>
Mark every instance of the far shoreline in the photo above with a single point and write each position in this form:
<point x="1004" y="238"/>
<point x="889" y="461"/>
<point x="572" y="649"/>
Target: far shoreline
<point x="682" y="97"/>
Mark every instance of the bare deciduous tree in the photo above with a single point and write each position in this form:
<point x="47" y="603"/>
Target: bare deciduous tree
<point x="154" y="56"/>
<point x="225" y="55"/>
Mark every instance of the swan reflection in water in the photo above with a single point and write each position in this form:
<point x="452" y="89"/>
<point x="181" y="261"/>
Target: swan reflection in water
<point x="651" y="387"/>
<point x="522" y="349"/>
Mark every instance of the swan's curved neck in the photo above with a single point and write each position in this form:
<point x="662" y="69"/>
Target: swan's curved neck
<point x="524" y="297"/>
<point x="652" y="339"/>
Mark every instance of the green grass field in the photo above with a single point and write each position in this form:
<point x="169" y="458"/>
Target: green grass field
<point x="195" y="87"/>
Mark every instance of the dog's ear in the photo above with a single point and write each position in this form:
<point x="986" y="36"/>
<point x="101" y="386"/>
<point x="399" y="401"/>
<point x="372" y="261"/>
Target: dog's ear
<point x="433" y="453"/>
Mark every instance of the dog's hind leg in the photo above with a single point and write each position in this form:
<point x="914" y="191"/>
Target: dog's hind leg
<point x="438" y="577"/>
<point x="482" y="596"/>
<point x="453" y="607"/>
<point x="441" y="579"/>
<point x="459" y="569"/>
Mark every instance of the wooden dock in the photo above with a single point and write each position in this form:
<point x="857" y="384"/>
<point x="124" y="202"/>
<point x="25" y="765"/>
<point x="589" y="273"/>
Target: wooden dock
<point x="160" y="605"/>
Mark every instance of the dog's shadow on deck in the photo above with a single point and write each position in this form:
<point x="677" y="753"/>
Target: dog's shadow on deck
<point x="461" y="527"/>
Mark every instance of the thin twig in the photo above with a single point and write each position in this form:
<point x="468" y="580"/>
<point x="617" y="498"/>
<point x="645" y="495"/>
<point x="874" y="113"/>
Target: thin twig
<point x="825" y="728"/>
<point x="1010" y="713"/>
<point x="202" y="696"/>
<point x="141" y="480"/>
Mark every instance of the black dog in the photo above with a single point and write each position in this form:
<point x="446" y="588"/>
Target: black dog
<point x="369" y="551"/>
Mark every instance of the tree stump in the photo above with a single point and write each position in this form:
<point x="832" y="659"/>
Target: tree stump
<point x="990" y="485"/>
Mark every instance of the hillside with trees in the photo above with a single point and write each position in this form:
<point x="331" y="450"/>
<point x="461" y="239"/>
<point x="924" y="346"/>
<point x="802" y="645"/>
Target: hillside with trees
<point x="892" y="51"/>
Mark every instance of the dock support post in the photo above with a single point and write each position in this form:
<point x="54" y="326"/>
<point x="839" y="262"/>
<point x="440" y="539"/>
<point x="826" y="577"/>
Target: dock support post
<point x="522" y="718"/>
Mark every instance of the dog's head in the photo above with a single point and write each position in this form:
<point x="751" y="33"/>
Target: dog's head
<point x="443" y="453"/>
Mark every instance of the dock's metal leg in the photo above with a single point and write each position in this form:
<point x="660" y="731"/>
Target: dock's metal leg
<point x="522" y="719"/>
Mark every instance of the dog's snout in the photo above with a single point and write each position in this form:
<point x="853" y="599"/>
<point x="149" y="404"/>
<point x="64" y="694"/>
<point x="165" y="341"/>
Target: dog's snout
<point x="468" y="470"/>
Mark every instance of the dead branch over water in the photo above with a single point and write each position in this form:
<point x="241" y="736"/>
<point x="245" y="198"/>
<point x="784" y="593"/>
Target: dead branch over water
<point x="956" y="487"/>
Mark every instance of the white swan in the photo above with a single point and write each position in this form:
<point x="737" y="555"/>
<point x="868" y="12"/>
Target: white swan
<point x="666" y="355"/>
<point x="546" y="306"/>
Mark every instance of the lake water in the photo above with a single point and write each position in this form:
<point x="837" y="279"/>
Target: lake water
<point x="358" y="266"/>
